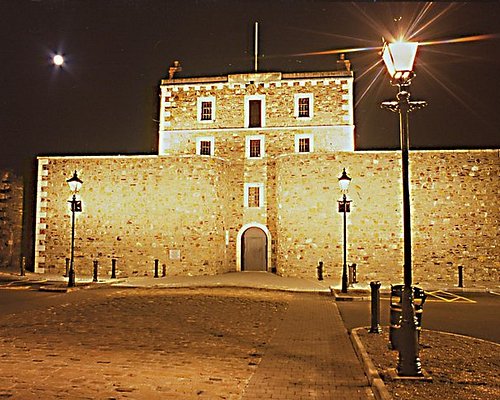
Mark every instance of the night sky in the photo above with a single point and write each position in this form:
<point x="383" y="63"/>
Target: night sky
<point x="105" y="99"/>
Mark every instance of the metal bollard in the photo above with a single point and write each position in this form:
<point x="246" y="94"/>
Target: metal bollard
<point x="156" y="268"/>
<point x="113" y="268"/>
<point x="96" y="266"/>
<point x="375" y="327"/>
<point x="66" y="274"/>
<point x="23" y="266"/>
<point x="460" y="276"/>
<point x="320" y="271"/>
<point x="163" y="270"/>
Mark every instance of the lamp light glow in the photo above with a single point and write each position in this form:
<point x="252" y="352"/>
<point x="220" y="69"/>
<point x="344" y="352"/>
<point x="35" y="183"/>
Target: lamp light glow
<point x="74" y="183"/>
<point x="399" y="58"/>
<point x="344" y="181"/>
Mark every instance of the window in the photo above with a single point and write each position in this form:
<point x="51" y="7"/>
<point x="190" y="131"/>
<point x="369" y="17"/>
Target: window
<point x="304" y="143"/>
<point x="255" y="121"/>
<point x="254" y="197"/>
<point x="205" y="146"/>
<point x="255" y="116"/>
<point x="254" y="146"/>
<point x="303" y="105"/>
<point x="206" y="109"/>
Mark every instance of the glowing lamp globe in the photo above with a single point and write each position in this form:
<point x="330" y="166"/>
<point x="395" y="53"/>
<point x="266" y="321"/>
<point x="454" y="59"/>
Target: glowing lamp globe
<point x="74" y="183"/>
<point x="399" y="58"/>
<point x="344" y="181"/>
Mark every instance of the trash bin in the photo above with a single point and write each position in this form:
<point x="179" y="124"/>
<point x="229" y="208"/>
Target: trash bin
<point x="396" y="311"/>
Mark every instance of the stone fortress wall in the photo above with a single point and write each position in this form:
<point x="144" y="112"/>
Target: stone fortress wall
<point x="187" y="211"/>
<point x="188" y="208"/>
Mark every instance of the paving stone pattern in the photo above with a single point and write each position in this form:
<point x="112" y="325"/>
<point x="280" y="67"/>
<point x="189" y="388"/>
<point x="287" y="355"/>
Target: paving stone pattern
<point x="178" y="344"/>
<point x="310" y="357"/>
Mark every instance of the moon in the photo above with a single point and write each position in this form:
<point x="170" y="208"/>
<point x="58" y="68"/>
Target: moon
<point x="58" y="60"/>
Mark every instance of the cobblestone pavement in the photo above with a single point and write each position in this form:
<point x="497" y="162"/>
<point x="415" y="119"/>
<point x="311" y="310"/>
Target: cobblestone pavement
<point x="179" y="344"/>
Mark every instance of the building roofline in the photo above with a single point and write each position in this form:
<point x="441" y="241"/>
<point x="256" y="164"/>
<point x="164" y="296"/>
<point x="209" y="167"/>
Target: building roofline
<point x="258" y="77"/>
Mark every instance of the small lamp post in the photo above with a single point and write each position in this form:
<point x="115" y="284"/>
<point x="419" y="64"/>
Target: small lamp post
<point x="75" y="184"/>
<point x="344" y="207"/>
<point x="399" y="58"/>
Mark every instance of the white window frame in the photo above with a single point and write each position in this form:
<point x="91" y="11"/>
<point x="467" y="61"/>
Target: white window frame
<point x="304" y="136"/>
<point x="298" y="96"/>
<point x="210" y="99"/>
<point x="258" y="185"/>
<point x="262" y="139"/>
<point x="205" y="139"/>
<point x="262" y="99"/>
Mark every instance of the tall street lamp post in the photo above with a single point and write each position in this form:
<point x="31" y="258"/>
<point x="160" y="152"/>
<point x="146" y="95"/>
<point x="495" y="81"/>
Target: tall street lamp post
<point x="344" y="207"/>
<point x="399" y="58"/>
<point x="75" y="184"/>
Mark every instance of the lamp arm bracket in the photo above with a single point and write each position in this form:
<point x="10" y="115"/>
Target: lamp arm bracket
<point x="417" y="105"/>
<point x="390" y="105"/>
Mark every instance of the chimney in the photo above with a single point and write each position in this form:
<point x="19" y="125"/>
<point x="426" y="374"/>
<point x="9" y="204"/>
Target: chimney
<point x="176" y="67"/>
<point x="343" y="63"/>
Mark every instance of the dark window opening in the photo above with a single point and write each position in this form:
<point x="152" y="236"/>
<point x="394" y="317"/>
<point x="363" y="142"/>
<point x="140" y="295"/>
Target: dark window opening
<point x="304" y="107"/>
<point x="206" y="110"/>
<point x="254" y="147"/>
<point x="205" y="147"/>
<point x="255" y="114"/>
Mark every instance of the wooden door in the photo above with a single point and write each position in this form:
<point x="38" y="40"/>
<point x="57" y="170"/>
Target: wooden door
<point x="254" y="250"/>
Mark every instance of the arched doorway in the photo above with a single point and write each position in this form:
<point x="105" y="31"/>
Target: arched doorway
<point x="254" y="250"/>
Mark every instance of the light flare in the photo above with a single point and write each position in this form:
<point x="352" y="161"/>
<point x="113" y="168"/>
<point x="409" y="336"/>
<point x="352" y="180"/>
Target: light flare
<point x="370" y="85"/>
<point x="466" y="39"/>
<point x="339" y="51"/>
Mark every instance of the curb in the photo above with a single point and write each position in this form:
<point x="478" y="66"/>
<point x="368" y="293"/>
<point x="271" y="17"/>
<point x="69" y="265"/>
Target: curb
<point x="377" y="384"/>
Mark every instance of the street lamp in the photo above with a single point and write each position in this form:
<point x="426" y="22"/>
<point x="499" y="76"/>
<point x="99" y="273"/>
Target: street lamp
<point x="399" y="58"/>
<point x="344" y="207"/>
<point x="75" y="184"/>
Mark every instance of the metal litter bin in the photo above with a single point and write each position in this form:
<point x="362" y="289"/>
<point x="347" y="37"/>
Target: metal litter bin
<point x="396" y="311"/>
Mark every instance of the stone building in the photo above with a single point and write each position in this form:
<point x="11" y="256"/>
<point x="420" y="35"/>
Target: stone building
<point x="11" y="211"/>
<point x="247" y="179"/>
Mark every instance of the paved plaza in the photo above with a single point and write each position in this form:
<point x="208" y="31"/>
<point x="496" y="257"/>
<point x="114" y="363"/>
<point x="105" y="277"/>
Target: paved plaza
<point x="201" y="343"/>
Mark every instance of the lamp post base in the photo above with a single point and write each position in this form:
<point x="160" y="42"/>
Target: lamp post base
<point x="409" y="360"/>
<point x="71" y="279"/>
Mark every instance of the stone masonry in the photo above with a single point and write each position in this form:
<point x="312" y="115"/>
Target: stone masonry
<point x="137" y="209"/>
<point x="281" y="142"/>
<point x="11" y="211"/>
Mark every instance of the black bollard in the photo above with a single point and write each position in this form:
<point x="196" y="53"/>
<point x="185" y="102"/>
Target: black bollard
<point x="164" y="270"/>
<point x="460" y="276"/>
<point x="96" y="266"/>
<point x="113" y="268"/>
<point x="66" y="274"/>
<point x="23" y="266"/>
<point x="320" y="271"/>
<point x="156" y="268"/>
<point x="375" y="328"/>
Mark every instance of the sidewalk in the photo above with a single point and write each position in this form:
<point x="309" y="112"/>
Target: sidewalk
<point x="252" y="280"/>
<point x="310" y="356"/>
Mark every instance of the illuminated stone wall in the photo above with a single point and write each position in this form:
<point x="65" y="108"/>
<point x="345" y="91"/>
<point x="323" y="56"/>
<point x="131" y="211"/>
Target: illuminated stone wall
<point x="455" y="219"/>
<point x="331" y="106"/>
<point x="11" y="209"/>
<point x="137" y="209"/>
